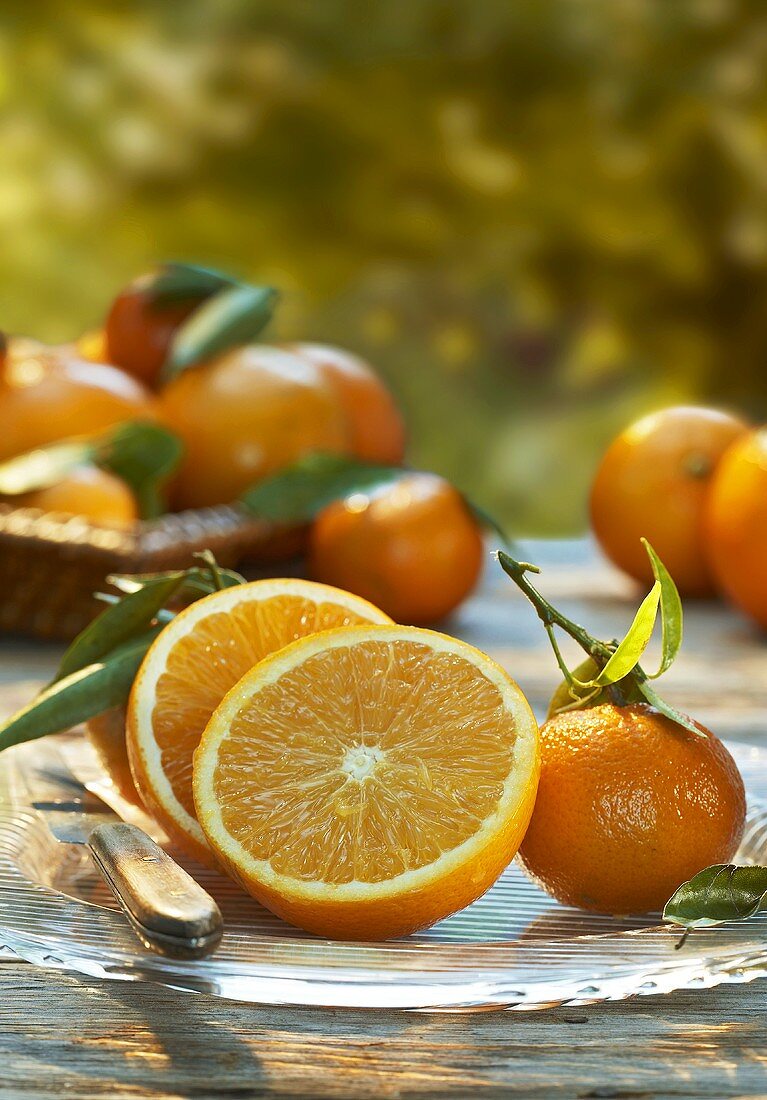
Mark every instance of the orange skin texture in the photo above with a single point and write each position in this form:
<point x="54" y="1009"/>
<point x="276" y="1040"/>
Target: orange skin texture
<point x="629" y="807"/>
<point x="87" y="491"/>
<point x="653" y="482"/>
<point x="412" y="548"/>
<point x="377" y="430"/>
<point x="56" y="395"/>
<point x="106" y="733"/>
<point x="138" y="333"/>
<point x="736" y="525"/>
<point x="246" y="414"/>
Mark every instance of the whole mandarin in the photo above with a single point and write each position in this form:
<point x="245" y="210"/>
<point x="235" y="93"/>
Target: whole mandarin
<point x="138" y="330"/>
<point x="88" y="491"/>
<point x="411" y="547"/>
<point x="245" y="414"/>
<point x="736" y="524"/>
<point x="630" y="805"/>
<point x="377" y="430"/>
<point x="54" y="394"/>
<point x="653" y="482"/>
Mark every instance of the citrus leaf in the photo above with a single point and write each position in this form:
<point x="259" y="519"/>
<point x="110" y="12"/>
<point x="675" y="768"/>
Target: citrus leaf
<point x="627" y="655"/>
<point x="298" y="493"/>
<point x="651" y="696"/>
<point x="79" y="696"/>
<point x="179" y="282"/>
<point x="144" y="455"/>
<point x="720" y="893"/>
<point x="43" y="467"/>
<point x="197" y="582"/>
<point x="670" y="611"/>
<point x="566" y="695"/>
<point x="232" y="316"/>
<point x="485" y="519"/>
<point x="120" y="622"/>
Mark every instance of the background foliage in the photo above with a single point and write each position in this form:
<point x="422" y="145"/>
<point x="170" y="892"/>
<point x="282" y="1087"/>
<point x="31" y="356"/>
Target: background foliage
<point x="536" y="218"/>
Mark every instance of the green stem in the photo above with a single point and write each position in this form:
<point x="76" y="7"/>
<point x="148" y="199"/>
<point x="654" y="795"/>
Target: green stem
<point x="549" y="616"/>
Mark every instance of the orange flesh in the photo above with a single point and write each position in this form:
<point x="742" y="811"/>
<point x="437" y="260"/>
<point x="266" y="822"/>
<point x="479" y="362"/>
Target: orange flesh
<point x="353" y="766"/>
<point x="206" y="663"/>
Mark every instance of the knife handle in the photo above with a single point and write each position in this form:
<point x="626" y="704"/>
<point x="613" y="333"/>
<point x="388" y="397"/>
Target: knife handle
<point x="169" y="912"/>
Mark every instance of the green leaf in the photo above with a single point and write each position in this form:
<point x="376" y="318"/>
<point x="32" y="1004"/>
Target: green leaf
<point x="570" y="695"/>
<point x="197" y="581"/>
<point x="144" y="455"/>
<point x="670" y="611"/>
<point x="720" y="893"/>
<point x="486" y="520"/>
<point x="234" y="315"/>
<point x="627" y="655"/>
<point x="79" y="696"/>
<point x="120" y="622"/>
<point x="298" y="493"/>
<point x="43" y="467"/>
<point x="179" y="282"/>
<point x="651" y="696"/>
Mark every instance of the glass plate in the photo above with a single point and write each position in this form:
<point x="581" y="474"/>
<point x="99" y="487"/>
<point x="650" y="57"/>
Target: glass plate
<point x="514" y="948"/>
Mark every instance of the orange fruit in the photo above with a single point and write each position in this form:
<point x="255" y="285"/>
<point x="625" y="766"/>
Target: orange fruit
<point x="630" y="805"/>
<point x="106" y="733"/>
<point x="54" y="394"/>
<point x="652" y="483"/>
<point x="377" y="430"/>
<point x="138" y="331"/>
<point x="246" y="414"/>
<point x="87" y="491"/>
<point x="412" y="547"/>
<point x="736" y="524"/>
<point x="369" y="781"/>
<point x="189" y="668"/>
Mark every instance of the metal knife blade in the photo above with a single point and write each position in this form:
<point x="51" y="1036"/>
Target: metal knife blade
<point x="170" y="913"/>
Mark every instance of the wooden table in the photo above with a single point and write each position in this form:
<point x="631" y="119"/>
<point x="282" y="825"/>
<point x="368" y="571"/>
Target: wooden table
<point x="61" y="1036"/>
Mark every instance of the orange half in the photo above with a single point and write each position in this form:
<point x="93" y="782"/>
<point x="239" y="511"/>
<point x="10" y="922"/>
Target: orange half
<point x="191" y="666"/>
<point x="368" y="781"/>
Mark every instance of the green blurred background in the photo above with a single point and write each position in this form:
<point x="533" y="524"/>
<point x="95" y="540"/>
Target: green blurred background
<point x="537" y="219"/>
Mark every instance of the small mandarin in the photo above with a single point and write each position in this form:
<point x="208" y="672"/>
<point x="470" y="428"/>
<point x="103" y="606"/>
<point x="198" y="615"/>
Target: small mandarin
<point x="377" y="430"/>
<point x="87" y="491"/>
<point x="247" y="413"/>
<point x="138" y="331"/>
<point x="736" y="525"/>
<point x="412" y="547"/>
<point x="653" y="482"/>
<point x="629" y="806"/>
<point x="54" y="394"/>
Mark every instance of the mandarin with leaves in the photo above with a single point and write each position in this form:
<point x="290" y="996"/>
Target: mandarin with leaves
<point x="736" y="525"/>
<point x="635" y="797"/>
<point x="653" y="482"/>
<point x="247" y="413"/>
<point x="88" y="491"/>
<point x="54" y="394"/>
<point x="377" y="430"/>
<point x="411" y="546"/>
<point x="139" y="328"/>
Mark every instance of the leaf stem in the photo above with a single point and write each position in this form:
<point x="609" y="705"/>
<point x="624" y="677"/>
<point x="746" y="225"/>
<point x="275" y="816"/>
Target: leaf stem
<point x="549" y="616"/>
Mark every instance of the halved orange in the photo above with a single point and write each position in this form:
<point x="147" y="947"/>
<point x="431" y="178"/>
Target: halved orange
<point x="191" y="666"/>
<point x="366" y="782"/>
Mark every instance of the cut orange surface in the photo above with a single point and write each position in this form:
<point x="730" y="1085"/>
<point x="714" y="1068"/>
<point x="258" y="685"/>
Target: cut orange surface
<point x="368" y="781"/>
<point x="194" y="662"/>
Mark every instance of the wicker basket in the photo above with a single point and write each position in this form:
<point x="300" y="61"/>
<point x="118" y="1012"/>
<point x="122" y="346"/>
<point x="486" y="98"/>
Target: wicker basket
<point x="50" y="564"/>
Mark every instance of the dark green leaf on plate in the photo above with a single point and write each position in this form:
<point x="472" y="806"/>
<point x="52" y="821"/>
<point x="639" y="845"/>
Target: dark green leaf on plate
<point x="721" y="893"/>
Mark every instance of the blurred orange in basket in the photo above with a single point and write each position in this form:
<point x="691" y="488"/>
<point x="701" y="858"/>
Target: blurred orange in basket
<point x="411" y="547"/>
<point x="245" y="414"/>
<point x="736" y="524"/>
<point x="53" y="394"/>
<point x="653" y="482"/>
<point x="138" y="330"/>
<point x="376" y="427"/>
<point x="87" y="491"/>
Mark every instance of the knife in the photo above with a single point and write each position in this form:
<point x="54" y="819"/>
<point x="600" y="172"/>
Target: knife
<point x="170" y="913"/>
